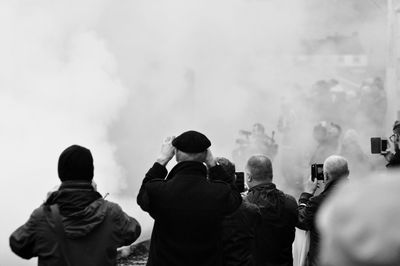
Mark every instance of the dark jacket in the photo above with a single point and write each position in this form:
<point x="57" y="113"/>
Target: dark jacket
<point x="308" y="208"/>
<point x="239" y="230"/>
<point x="94" y="229"/>
<point x="276" y="233"/>
<point x="188" y="209"/>
<point x="394" y="161"/>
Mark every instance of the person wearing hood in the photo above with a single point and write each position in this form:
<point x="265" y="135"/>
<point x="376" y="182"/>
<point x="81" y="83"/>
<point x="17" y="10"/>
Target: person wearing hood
<point x="275" y="234"/>
<point x="188" y="204"/>
<point x="335" y="172"/>
<point x="75" y="225"/>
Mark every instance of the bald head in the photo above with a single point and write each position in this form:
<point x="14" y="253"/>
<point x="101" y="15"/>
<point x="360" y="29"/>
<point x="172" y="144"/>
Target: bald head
<point x="335" y="167"/>
<point x="259" y="167"/>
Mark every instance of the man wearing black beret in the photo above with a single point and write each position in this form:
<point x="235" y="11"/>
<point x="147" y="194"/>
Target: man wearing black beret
<point x="187" y="206"/>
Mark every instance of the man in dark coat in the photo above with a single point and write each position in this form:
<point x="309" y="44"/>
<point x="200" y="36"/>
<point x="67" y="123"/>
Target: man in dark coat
<point x="335" y="171"/>
<point x="394" y="158"/>
<point x="75" y="226"/>
<point x="187" y="207"/>
<point x="239" y="228"/>
<point x="276" y="233"/>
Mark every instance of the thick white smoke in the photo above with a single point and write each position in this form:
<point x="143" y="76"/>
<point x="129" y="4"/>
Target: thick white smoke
<point x="118" y="76"/>
<point x="58" y="86"/>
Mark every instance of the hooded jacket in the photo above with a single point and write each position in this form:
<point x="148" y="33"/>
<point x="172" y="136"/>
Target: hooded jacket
<point x="275" y="234"/>
<point x="94" y="229"/>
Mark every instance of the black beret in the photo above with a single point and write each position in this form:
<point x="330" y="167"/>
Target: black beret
<point x="75" y="163"/>
<point x="191" y="142"/>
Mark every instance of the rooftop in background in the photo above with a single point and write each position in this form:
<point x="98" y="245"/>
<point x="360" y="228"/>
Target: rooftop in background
<point x="333" y="45"/>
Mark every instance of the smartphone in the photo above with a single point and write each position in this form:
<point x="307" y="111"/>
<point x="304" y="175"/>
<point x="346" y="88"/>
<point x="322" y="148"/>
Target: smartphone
<point x="317" y="172"/>
<point x="239" y="182"/>
<point x="378" y="145"/>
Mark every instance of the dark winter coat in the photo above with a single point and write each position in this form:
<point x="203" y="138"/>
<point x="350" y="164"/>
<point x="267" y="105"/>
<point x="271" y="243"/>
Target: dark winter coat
<point x="94" y="229"/>
<point x="188" y="210"/>
<point x="394" y="162"/>
<point x="239" y="230"/>
<point x="308" y="208"/>
<point x="276" y="233"/>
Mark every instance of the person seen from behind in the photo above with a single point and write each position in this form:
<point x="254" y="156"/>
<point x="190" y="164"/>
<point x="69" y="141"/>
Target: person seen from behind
<point x="276" y="233"/>
<point x="75" y="226"/>
<point x="335" y="171"/>
<point x="239" y="228"/>
<point x="187" y="206"/>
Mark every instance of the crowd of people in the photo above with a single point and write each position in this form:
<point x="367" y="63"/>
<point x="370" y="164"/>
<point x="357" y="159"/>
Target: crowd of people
<point x="202" y="216"/>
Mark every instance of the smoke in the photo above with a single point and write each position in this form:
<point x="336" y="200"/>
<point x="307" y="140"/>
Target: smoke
<point x="117" y="77"/>
<point x="59" y="86"/>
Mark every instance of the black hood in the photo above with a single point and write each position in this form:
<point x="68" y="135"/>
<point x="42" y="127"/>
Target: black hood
<point x="82" y="208"/>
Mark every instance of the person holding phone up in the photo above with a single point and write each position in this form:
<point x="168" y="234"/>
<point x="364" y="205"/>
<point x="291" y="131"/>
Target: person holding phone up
<point x="393" y="158"/>
<point x="335" y="171"/>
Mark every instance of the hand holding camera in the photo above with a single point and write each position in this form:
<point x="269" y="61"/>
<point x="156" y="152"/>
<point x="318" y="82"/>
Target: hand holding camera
<point x="311" y="186"/>
<point x="211" y="161"/>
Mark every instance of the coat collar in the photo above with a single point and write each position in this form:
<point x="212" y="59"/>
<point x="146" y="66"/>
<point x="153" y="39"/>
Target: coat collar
<point x="188" y="168"/>
<point x="267" y="186"/>
<point x="333" y="184"/>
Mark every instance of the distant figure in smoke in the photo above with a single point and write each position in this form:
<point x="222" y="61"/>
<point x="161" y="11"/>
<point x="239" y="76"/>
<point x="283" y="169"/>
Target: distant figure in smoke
<point x="261" y="143"/>
<point x="254" y="142"/>
<point x="373" y="105"/>
<point x="359" y="224"/>
<point x="321" y="100"/>
<point x="359" y="163"/>
<point x="75" y="226"/>
<point x="239" y="228"/>
<point x="327" y="136"/>
<point x="275" y="235"/>
<point x="239" y="154"/>
<point x="335" y="172"/>
<point x="188" y="208"/>
<point x="287" y="121"/>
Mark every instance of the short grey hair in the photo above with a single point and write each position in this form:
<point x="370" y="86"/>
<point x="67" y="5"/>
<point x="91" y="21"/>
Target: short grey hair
<point x="336" y="167"/>
<point x="260" y="167"/>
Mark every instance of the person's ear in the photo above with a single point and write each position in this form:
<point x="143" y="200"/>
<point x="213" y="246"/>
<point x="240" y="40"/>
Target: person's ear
<point x="326" y="177"/>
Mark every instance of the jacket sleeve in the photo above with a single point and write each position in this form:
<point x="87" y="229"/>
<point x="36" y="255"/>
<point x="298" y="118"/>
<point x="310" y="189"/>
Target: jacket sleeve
<point x="394" y="160"/>
<point x="23" y="240"/>
<point x="127" y="228"/>
<point x="306" y="211"/>
<point x="233" y="202"/>
<point x="218" y="173"/>
<point x="156" y="172"/>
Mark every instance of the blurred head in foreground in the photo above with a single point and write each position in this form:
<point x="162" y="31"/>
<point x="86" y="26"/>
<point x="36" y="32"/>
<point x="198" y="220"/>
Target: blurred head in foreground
<point x="360" y="224"/>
